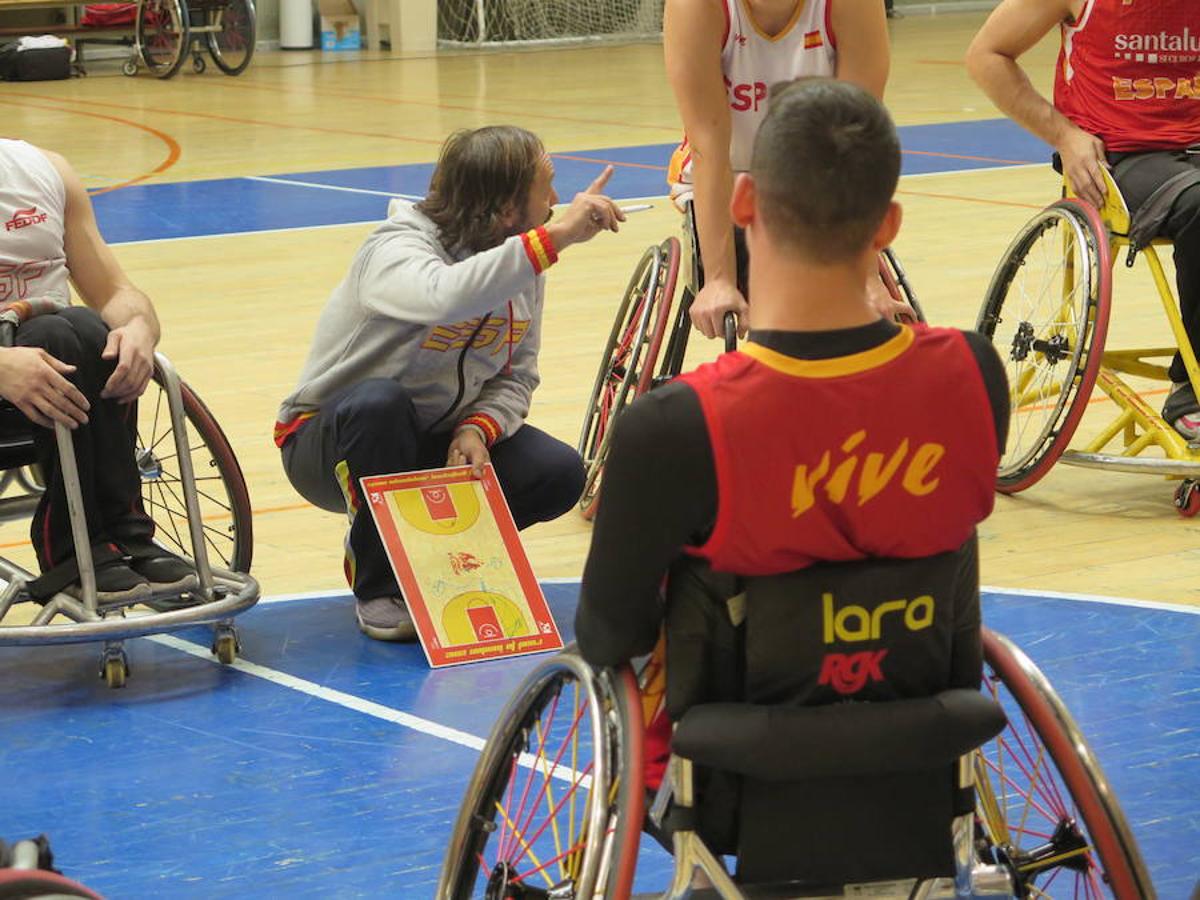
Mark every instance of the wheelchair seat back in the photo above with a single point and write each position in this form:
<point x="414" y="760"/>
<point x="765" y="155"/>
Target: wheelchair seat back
<point x="16" y="438"/>
<point x="833" y="759"/>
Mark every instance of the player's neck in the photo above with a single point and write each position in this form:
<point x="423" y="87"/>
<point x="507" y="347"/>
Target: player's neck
<point x="794" y="295"/>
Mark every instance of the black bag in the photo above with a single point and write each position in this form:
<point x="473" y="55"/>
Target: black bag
<point x="40" y="64"/>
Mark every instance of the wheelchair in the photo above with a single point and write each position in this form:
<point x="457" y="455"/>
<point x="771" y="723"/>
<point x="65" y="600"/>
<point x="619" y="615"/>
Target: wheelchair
<point x="1047" y="312"/>
<point x="193" y="489"/>
<point x="964" y="794"/>
<point x="647" y="324"/>
<point x="165" y="31"/>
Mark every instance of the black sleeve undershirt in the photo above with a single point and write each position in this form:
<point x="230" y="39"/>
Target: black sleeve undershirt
<point x="660" y="492"/>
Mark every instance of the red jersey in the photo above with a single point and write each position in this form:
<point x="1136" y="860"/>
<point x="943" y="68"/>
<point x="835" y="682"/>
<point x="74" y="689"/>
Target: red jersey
<point x="1129" y="73"/>
<point x="886" y="453"/>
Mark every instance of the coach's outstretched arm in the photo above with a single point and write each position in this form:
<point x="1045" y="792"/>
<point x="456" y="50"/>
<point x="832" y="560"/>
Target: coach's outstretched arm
<point x="1009" y="32"/>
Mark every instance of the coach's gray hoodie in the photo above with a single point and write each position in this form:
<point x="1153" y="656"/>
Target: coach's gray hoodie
<point x="407" y="309"/>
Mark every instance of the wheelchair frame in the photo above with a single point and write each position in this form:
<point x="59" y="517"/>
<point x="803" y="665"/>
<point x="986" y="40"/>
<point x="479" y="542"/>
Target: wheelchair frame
<point x="627" y="366"/>
<point x="989" y="860"/>
<point x="185" y="34"/>
<point x="1136" y="427"/>
<point x="224" y="593"/>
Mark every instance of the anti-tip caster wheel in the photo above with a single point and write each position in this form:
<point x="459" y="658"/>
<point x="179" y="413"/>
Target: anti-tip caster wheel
<point x="198" y="64"/>
<point x="114" y="667"/>
<point x="129" y="67"/>
<point x="226" y="644"/>
<point x="1187" y="498"/>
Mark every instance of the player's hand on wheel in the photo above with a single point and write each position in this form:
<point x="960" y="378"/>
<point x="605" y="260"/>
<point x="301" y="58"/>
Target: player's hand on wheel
<point x="34" y="382"/>
<point x="885" y="304"/>
<point x="716" y="299"/>
<point x="589" y="213"/>
<point x="1083" y="157"/>
<point x="468" y="449"/>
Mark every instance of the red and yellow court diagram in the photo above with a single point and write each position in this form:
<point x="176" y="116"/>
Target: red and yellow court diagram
<point x="459" y="561"/>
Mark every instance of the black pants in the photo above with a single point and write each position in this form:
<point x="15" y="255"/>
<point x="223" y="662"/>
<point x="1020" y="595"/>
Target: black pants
<point x="371" y="429"/>
<point x="1138" y="175"/>
<point x="104" y="447"/>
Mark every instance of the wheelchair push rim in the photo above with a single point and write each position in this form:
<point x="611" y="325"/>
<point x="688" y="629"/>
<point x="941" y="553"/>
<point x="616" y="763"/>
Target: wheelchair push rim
<point x="1045" y="810"/>
<point x="162" y="34"/>
<point x="557" y="770"/>
<point x="1049" y="329"/>
<point x="220" y="485"/>
<point x="627" y="365"/>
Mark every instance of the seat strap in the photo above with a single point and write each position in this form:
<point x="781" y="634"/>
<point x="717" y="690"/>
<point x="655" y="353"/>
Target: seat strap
<point x="1153" y="213"/>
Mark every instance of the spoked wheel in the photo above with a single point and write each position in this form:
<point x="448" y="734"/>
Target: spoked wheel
<point x="627" y="367"/>
<point x="162" y="35"/>
<point x="1046" y="312"/>
<point x="231" y="42"/>
<point x="555" y="806"/>
<point x="1045" y="810"/>
<point x="894" y="278"/>
<point x="221" y="489"/>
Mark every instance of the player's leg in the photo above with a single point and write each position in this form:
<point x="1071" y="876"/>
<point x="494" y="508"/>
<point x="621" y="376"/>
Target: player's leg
<point x="1139" y="176"/>
<point x="369" y="429"/>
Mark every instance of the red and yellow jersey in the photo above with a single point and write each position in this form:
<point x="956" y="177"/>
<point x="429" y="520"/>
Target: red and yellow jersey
<point x="886" y="453"/>
<point x="1129" y="73"/>
<point x="752" y="61"/>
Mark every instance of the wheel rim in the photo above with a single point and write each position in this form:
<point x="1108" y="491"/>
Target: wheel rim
<point x="1044" y="808"/>
<point x="232" y="43"/>
<point x="161" y="35"/>
<point x="1047" y="308"/>
<point x="529" y="829"/>
<point x="620" y="369"/>
<point x="219" y="485"/>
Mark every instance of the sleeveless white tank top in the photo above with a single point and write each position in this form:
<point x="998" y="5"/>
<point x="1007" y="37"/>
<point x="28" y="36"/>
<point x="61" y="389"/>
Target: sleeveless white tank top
<point x="33" y="200"/>
<point x="751" y="62"/>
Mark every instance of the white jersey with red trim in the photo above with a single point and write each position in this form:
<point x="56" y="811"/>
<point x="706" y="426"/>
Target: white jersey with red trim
<point x="33" y="201"/>
<point x="752" y="61"/>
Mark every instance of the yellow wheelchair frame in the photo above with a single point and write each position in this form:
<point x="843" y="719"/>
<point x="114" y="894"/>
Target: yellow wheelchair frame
<point x="1092" y="242"/>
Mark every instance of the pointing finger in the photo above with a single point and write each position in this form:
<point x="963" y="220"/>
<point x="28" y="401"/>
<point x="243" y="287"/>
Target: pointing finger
<point x="597" y="186"/>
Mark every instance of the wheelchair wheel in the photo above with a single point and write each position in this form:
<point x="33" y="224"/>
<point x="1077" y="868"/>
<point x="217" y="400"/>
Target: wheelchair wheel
<point x="1044" y="809"/>
<point x="162" y="35"/>
<point x="1046" y="311"/>
<point x="627" y="366"/>
<point x="555" y="806"/>
<point x="221" y="489"/>
<point x="896" y="281"/>
<point x="231" y="42"/>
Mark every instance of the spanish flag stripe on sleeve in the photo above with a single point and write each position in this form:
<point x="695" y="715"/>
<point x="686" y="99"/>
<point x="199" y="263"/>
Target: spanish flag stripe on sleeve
<point x="539" y="248"/>
<point x="813" y="39"/>
<point x="485" y="423"/>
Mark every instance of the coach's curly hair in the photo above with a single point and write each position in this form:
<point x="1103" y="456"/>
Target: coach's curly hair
<point x="481" y="174"/>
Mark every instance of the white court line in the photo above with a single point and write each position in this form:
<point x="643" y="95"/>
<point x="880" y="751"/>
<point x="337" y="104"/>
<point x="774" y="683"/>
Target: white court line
<point x="366" y="707"/>
<point x="271" y="179"/>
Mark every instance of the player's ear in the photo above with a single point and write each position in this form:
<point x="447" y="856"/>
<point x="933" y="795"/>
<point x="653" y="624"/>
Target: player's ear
<point x="886" y="233"/>
<point x="743" y="205"/>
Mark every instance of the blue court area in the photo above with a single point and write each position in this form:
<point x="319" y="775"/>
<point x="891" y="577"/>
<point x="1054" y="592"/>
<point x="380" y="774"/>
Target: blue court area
<point x="342" y="196"/>
<point x="329" y="765"/>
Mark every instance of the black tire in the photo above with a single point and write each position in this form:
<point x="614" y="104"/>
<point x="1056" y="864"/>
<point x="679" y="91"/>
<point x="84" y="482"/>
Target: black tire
<point x="501" y="830"/>
<point x="627" y="366"/>
<point x="1050" y="338"/>
<point x="232" y="46"/>
<point x="163" y="35"/>
<point x="1064" y="830"/>
<point x="220" y="485"/>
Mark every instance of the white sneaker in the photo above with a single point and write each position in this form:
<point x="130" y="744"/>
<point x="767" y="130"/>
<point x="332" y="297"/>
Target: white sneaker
<point x="385" y="619"/>
<point x="1182" y="412"/>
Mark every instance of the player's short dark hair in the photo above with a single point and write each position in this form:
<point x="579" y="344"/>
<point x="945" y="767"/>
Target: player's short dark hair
<point x="481" y="174"/>
<point x="826" y="162"/>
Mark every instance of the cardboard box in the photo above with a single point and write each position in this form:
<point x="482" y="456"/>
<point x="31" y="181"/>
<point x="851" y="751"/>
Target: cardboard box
<point x="340" y="28"/>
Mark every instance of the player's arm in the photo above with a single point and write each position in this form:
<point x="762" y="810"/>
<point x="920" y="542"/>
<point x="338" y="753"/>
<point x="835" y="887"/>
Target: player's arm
<point x="660" y="486"/>
<point x="102" y="283"/>
<point x="863" y="51"/>
<point x="692" y="31"/>
<point x="1014" y="27"/>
